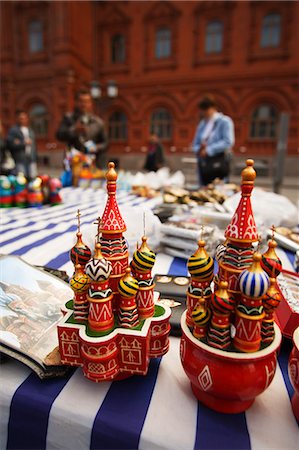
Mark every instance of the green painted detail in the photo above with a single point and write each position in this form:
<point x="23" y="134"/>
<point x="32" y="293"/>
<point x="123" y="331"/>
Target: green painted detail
<point x="159" y="311"/>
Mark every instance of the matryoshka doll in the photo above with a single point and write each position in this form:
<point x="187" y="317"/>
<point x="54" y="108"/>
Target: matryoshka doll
<point x="6" y="196"/>
<point x="55" y="186"/>
<point x="20" y="195"/>
<point x="35" y="195"/>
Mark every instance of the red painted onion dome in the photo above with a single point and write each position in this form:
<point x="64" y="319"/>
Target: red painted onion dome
<point x="200" y="264"/>
<point x="128" y="286"/>
<point x="270" y="262"/>
<point x="144" y="258"/>
<point x="80" y="253"/>
<point x="79" y="281"/>
<point x="254" y="282"/>
<point x="221" y="301"/>
<point x="98" y="268"/>
<point x="272" y="297"/>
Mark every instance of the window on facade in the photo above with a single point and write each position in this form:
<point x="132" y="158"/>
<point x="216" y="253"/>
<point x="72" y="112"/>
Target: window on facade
<point x="118" y="48"/>
<point x="161" y="123"/>
<point x="35" y="36"/>
<point x="264" y="122"/>
<point x="118" y="128"/>
<point x="39" y="119"/>
<point x="214" y="37"/>
<point x="163" y="43"/>
<point x="271" y="28"/>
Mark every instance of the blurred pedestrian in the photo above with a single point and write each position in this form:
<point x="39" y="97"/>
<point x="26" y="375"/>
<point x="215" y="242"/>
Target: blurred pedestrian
<point x="155" y="154"/>
<point x="213" y="142"/>
<point x="83" y="130"/>
<point x="22" y="145"/>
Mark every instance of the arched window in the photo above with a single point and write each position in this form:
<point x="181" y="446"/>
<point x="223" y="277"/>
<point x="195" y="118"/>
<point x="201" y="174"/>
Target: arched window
<point x="35" y="36"/>
<point x="214" y="37"/>
<point x="264" y="122"/>
<point x="271" y="29"/>
<point x="118" y="127"/>
<point x="39" y="119"/>
<point x="163" y="43"/>
<point x="161" y="123"/>
<point x="118" y="49"/>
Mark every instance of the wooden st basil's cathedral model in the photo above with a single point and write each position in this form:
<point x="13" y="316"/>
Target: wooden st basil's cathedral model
<point x="238" y="316"/>
<point x="112" y="326"/>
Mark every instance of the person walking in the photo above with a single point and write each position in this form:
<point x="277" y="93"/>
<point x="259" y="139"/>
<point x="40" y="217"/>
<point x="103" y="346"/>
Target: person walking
<point x="213" y="142"/>
<point x="22" y="145"/>
<point x="83" y="130"/>
<point x="155" y="154"/>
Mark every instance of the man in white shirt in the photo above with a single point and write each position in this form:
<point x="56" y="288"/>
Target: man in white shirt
<point x="21" y="143"/>
<point x="213" y="141"/>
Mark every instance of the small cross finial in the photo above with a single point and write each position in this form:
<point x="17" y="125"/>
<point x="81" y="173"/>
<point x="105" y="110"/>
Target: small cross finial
<point x="201" y="232"/>
<point x="78" y="219"/>
<point x="98" y="223"/>
<point x="273" y="231"/>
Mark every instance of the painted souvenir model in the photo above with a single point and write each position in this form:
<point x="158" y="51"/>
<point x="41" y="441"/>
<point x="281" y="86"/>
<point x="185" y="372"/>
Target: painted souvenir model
<point x="112" y="326"/>
<point x="6" y="193"/>
<point x="55" y="186"/>
<point x="293" y="368"/>
<point x="229" y="339"/>
<point x="35" y="195"/>
<point x="20" y="191"/>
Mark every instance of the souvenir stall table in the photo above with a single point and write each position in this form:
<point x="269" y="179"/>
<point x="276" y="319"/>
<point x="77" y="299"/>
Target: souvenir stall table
<point x="157" y="411"/>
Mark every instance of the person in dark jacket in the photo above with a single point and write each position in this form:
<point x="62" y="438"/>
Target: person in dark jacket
<point x="155" y="154"/>
<point x="83" y="130"/>
<point x="22" y="145"/>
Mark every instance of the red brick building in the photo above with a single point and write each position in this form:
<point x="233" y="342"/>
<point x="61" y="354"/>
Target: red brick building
<point x="162" y="57"/>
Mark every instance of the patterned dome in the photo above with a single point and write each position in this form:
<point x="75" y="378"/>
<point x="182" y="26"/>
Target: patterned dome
<point x="221" y="300"/>
<point x="220" y="250"/>
<point x="80" y="253"/>
<point x="79" y="281"/>
<point x="254" y="282"/>
<point x="98" y="268"/>
<point x="201" y="315"/>
<point x="128" y="286"/>
<point x="143" y="258"/>
<point x="200" y="264"/>
<point x="270" y="262"/>
<point x="272" y="298"/>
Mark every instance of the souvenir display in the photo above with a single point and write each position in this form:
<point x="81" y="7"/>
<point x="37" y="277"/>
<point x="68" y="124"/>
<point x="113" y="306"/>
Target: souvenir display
<point x="232" y="330"/>
<point x="293" y="368"/>
<point x="113" y="324"/>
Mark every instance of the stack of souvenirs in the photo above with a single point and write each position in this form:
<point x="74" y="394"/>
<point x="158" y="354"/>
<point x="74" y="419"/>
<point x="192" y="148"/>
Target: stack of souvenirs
<point x="112" y="326"/>
<point x="80" y="170"/>
<point x="239" y="314"/>
<point x="17" y="191"/>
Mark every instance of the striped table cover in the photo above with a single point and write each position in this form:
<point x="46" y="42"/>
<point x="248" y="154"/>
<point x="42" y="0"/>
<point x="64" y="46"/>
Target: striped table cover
<point x="153" y="412"/>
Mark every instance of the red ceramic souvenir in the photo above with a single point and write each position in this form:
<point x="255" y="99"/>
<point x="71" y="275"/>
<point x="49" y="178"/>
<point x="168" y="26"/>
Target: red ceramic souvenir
<point x="230" y="356"/>
<point x="112" y="326"/>
<point x="227" y="382"/>
<point x="294" y="372"/>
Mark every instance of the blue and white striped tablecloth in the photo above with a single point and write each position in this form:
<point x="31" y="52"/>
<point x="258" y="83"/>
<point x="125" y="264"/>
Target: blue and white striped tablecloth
<point x="153" y="412"/>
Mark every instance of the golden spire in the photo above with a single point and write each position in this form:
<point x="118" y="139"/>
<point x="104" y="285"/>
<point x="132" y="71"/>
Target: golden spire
<point x="111" y="174"/>
<point x="249" y="174"/>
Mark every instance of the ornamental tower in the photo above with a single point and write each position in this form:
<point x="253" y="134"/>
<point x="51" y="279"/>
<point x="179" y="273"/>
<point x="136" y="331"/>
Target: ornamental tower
<point x="240" y="235"/>
<point x="142" y="264"/>
<point x="254" y="283"/>
<point x="201" y="267"/>
<point x="113" y="244"/>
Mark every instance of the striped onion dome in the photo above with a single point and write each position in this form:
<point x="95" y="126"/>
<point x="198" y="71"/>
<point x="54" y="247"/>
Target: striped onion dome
<point x="270" y="262"/>
<point x="98" y="268"/>
<point x="80" y="253"/>
<point x="254" y="282"/>
<point x="200" y="264"/>
<point x="273" y="297"/>
<point x="220" y="250"/>
<point x="144" y="258"/>
<point x="128" y="286"/>
<point x="221" y="301"/>
<point x="79" y="281"/>
<point x="201" y="315"/>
